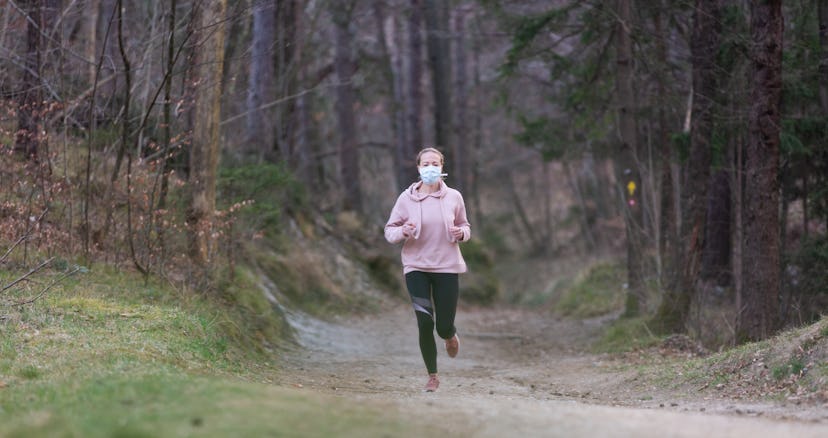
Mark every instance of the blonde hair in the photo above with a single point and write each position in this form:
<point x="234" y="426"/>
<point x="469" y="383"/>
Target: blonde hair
<point x="425" y="150"/>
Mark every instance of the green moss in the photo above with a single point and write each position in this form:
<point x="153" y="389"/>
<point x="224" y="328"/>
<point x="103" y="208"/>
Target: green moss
<point x="596" y="292"/>
<point x="626" y="334"/>
<point x="793" y="367"/>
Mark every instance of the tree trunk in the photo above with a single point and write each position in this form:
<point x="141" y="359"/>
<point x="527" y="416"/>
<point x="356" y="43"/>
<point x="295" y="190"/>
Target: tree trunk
<point x="286" y="67"/>
<point x="304" y="147"/>
<point x="822" y="12"/>
<point x="90" y="43"/>
<point x="414" y="88"/>
<point x="760" y="300"/>
<point x="477" y="143"/>
<point x="715" y="264"/>
<point x="462" y="155"/>
<point x="166" y="135"/>
<point x="204" y="152"/>
<point x="259" y="86"/>
<point x="737" y="180"/>
<point x="675" y="306"/>
<point x="668" y="225"/>
<point x="439" y="50"/>
<point x="345" y="97"/>
<point x="628" y="174"/>
<point x="30" y="98"/>
<point x="394" y="87"/>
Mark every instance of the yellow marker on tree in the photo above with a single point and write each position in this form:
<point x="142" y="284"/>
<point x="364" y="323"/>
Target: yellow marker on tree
<point x="631" y="187"/>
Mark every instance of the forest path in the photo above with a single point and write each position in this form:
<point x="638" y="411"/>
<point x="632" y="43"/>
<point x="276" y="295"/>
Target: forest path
<point x="519" y="373"/>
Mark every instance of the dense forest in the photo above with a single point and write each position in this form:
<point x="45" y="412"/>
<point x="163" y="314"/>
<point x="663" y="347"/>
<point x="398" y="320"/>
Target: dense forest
<point x="686" y="138"/>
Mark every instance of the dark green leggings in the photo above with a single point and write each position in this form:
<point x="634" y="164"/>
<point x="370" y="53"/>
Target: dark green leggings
<point x="442" y="290"/>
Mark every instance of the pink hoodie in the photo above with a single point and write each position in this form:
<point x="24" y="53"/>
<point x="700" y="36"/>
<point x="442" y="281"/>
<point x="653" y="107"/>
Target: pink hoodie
<point x="432" y="248"/>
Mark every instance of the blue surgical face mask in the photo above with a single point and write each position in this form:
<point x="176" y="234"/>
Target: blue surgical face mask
<point x="430" y="174"/>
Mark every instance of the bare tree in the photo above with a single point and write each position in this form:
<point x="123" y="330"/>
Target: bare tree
<point x="628" y="174"/>
<point x="667" y="223"/>
<point x="286" y="60"/>
<point x="393" y="79"/>
<point x="715" y="260"/>
<point x="822" y="12"/>
<point x="463" y="155"/>
<point x="204" y="152"/>
<point x="30" y="98"/>
<point x="675" y="306"/>
<point x="759" y="301"/>
<point x="414" y="98"/>
<point x="90" y="31"/>
<point x="259" y="89"/>
<point x="345" y="67"/>
<point x="439" y="50"/>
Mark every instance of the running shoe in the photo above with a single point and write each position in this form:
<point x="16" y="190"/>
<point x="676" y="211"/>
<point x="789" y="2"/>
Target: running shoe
<point x="453" y="345"/>
<point x="433" y="383"/>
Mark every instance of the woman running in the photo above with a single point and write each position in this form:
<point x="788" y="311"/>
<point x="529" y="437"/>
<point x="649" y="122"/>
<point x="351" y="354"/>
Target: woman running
<point x="430" y="218"/>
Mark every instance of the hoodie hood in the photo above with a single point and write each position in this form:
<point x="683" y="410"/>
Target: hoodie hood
<point x="416" y="196"/>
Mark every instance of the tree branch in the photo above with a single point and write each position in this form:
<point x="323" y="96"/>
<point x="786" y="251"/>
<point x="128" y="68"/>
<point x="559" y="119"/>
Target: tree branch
<point x="46" y="289"/>
<point x="24" y="237"/>
<point x="28" y="274"/>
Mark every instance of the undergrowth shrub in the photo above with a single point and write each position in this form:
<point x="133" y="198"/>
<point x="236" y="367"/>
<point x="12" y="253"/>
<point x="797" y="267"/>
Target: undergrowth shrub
<point x="271" y="190"/>
<point x="597" y="292"/>
<point x="481" y="285"/>
<point x="807" y="275"/>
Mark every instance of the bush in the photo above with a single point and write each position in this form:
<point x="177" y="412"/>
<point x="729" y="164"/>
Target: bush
<point x="481" y="285"/>
<point x="272" y="189"/>
<point x="807" y="275"/>
<point x="598" y="292"/>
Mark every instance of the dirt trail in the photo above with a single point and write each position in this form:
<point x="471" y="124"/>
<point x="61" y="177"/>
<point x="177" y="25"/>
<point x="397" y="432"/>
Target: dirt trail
<point x="519" y="373"/>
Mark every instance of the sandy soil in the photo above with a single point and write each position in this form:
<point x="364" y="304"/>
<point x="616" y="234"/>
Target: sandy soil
<point x="519" y="373"/>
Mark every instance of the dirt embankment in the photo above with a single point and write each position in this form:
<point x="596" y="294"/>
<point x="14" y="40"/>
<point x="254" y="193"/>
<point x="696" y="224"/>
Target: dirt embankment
<point x="520" y="373"/>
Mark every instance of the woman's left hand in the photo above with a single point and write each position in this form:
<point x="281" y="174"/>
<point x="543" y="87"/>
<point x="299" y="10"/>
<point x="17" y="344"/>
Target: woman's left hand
<point x="457" y="233"/>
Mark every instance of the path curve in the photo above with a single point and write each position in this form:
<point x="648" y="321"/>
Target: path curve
<point x="519" y="373"/>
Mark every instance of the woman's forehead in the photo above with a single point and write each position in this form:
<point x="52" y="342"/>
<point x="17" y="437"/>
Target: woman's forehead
<point x="429" y="156"/>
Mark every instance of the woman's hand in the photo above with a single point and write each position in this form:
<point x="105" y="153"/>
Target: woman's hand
<point x="457" y="233"/>
<point x="409" y="229"/>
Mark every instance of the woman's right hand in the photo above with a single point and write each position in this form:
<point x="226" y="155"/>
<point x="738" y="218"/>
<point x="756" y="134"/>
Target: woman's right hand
<point x="409" y="229"/>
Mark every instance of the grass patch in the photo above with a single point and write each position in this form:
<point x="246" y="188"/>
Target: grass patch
<point x="165" y="402"/>
<point x="106" y="356"/>
<point x="794" y="363"/>
<point x="792" y="368"/>
<point x="626" y="334"/>
<point x="595" y="292"/>
<point x="29" y="372"/>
